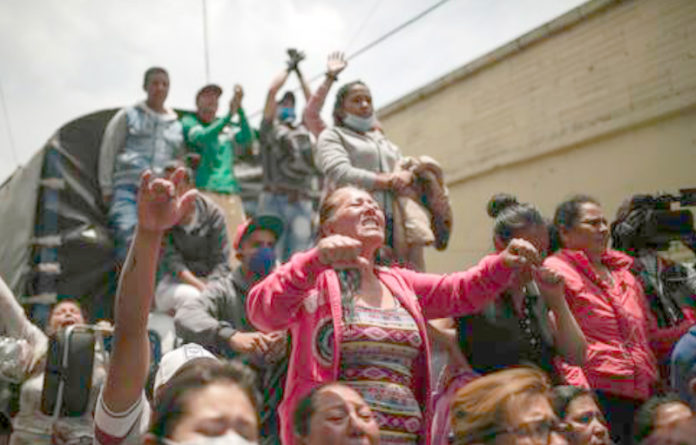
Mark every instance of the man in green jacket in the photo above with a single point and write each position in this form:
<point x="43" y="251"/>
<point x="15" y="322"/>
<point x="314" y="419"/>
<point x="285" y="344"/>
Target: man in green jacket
<point x="213" y="139"/>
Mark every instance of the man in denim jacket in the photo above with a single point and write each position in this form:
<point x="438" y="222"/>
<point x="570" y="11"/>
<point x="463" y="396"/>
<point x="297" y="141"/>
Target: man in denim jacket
<point x="144" y="136"/>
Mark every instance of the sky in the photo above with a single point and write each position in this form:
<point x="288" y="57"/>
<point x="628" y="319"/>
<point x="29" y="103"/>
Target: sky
<point x="62" y="59"/>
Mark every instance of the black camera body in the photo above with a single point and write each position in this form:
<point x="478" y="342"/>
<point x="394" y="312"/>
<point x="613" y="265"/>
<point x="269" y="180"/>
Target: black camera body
<point x="652" y="222"/>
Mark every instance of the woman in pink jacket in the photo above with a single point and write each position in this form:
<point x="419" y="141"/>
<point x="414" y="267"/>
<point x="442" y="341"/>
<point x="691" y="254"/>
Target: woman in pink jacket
<point x="365" y="325"/>
<point x="609" y="305"/>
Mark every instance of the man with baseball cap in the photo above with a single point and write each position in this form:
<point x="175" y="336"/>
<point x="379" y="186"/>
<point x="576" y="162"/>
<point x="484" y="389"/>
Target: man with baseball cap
<point x="212" y="139"/>
<point x="217" y="319"/>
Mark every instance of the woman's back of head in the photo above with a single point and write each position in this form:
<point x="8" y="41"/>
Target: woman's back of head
<point x="512" y="219"/>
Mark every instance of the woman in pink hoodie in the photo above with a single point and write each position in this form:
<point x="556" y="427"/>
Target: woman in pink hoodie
<point x="364" y="325"/>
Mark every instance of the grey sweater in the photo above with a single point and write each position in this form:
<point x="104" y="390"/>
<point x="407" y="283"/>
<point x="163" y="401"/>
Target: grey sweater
<point x="347" y="157"/>
<point x="204" y="249"/>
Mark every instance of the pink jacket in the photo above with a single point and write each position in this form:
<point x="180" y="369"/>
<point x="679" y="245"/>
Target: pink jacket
<point x="304" y="296"/>
<point x="616" y="321"/>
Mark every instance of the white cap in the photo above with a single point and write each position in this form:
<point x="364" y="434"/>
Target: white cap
<point x="176" y="358"/>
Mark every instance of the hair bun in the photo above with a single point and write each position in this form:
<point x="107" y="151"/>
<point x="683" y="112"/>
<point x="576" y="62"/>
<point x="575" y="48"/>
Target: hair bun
<point x="500" y="202"/>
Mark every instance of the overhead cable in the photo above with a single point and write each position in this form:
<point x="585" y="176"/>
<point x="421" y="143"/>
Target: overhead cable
<point x="7" y="125"/>
<point x="367" y="18"/>
<point x="375" y="42"/>
<point x="206" y="49"/>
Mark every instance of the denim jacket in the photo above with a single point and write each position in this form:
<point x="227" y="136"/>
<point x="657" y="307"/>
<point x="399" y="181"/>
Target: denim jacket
<point x="135" y="139"/>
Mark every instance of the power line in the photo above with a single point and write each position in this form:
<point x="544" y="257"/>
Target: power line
<point x="7" y="124"/>
<point x="374" y="43"/>
<point x="206" y="56"/>
<point x="397" y="29"/>
<point x="362" y="25"/>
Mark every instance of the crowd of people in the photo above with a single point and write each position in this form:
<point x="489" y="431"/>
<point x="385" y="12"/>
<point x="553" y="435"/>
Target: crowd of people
<point x="306" y="322"/>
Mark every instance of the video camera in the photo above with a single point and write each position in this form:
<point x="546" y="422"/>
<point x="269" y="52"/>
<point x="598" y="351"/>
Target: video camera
<point x="653" y="221"/>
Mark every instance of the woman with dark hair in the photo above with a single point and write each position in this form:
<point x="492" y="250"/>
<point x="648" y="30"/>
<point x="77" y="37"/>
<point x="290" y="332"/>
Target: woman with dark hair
<point x="609" y="305"/>
<point x="335" y="413"/>
<point x="578" y="408"/>
<point x="364" y="325"/>
<point x="356" y="152"/>
<point x="213" y="404"/>
<point x="530" y="324"/>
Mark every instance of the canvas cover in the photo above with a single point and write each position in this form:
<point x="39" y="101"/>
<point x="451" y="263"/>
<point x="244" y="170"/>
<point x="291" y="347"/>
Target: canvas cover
<point x="17" y="209"/>
<point x="56" y="241"/>
<point x="69" y="251"/>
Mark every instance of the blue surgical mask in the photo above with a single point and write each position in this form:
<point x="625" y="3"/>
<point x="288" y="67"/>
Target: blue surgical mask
<point x="357" y="123"/>
<point x="229" y="438"/>
<point x="286" y="114"/>
<point x="262" y="261"/>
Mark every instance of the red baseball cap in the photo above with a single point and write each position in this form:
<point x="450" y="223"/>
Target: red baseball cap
<point x="267" y="222"/>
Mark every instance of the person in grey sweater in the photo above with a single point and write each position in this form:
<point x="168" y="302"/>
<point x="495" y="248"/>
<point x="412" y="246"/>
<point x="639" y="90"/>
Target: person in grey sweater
<point x="356" y="152"/>
<point x="196" y="251"/>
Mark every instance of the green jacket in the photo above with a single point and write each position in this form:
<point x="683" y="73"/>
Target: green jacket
<point x="216" y="170"/>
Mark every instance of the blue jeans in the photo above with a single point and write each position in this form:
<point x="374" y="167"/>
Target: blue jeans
<point x="123" y="216"/>
<point x="297" y="219"/>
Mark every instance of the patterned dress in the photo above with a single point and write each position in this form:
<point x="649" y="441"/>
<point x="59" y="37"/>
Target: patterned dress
<point x="378" y="352"/>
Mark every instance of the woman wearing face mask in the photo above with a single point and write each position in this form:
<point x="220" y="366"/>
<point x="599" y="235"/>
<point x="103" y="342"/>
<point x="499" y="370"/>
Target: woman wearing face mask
<point x="215" y="406"/>
<point x="364" y="325"/>
<point x="290" y="179"/>
<point x="578" y="408"/>
<point x="356" y="152"/>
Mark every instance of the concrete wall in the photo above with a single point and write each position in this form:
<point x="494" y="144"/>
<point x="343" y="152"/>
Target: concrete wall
<point x="601" y="101"/>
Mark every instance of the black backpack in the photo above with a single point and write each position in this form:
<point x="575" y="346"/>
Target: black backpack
<point x="68" y="375"/>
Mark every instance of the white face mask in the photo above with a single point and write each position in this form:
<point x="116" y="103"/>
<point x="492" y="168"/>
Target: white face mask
<point x="229" y="438"/>
<point x="357" y="123"/>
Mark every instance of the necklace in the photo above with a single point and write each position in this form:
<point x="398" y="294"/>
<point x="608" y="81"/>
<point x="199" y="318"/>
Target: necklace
<point x="604" y="273"/>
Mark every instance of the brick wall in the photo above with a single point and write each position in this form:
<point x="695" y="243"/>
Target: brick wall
<point x="601" y="100"/>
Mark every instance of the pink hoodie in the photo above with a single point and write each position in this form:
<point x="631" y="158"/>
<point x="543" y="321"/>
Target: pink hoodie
<point x="304" y="296"/>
